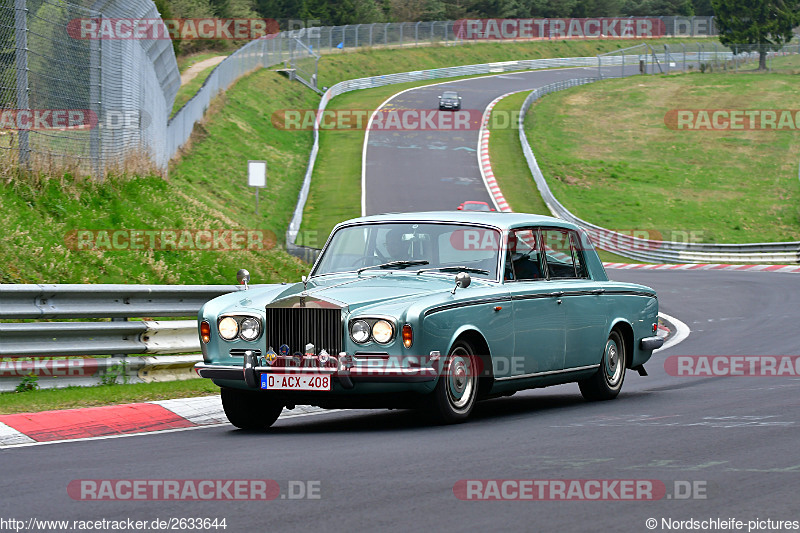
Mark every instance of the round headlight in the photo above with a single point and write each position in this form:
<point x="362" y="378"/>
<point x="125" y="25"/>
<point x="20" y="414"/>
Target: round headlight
<point x="228" y="328"/>
<point x="251" y="329"/>
<point x="359" y="330"/>
<point x="382" y="331"/>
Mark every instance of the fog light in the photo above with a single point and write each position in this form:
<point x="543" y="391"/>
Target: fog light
<point x="205" y="332"/>
<point x="408" y="336"/>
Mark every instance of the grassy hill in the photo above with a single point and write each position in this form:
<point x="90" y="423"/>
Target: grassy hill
<point x="206" y="187"/>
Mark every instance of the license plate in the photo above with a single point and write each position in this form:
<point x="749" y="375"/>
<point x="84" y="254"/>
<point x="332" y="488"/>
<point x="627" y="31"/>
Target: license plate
<point x="302" y="382"/>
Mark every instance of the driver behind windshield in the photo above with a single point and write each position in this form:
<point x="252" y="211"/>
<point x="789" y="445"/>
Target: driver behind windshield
<point x="396" y="247"/>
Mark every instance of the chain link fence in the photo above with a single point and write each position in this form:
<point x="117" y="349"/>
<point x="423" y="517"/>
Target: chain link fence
<point x="704" y="57"/>
<point x="84" y="105"/>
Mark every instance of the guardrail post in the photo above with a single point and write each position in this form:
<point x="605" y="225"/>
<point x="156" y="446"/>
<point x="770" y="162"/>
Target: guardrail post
<point x="416" y="33"/>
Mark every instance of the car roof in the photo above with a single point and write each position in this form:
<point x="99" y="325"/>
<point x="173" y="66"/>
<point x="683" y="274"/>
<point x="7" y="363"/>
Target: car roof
<point x="500" y="220"/>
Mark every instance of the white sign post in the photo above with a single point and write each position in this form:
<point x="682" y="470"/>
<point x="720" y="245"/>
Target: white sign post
<point x="257" y="176"/>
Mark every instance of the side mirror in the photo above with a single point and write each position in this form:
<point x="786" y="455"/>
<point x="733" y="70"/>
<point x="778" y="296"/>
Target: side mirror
<point x="243" y="278"/>
<point x="462" y="280"/>
<point x="459" y="98"/>
<point x="460" y="208"/>
<point x="440" y="97"/>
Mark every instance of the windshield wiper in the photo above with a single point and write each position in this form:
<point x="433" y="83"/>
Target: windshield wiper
<point x="393" y="264"/>
<point x="455" y="269"/>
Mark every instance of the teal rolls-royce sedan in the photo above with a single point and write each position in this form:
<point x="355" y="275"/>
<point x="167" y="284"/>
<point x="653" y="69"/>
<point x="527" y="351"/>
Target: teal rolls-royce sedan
<point x="432" y="311"/>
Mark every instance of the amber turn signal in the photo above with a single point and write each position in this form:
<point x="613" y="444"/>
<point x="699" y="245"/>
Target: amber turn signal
<point x="408" y="336"/>
<point x="205" y="331"/>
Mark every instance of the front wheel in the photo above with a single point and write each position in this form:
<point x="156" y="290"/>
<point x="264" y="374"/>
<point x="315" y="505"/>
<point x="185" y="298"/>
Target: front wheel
<point x="607" y="382"/>
<point x="454" y="395"/>
<point x="249" y="410"/>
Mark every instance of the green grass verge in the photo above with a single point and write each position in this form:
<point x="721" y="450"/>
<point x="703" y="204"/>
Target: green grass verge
<point x="511" y="169"/>
<point x="79" y="397"/>
<point x="609" y="157"/>
<point x="207" y="188"/>
<point x="189" y="89"/>
<point x="508" y="162"/>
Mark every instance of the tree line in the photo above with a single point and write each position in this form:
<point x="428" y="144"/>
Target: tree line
<point x="340" y="12"/>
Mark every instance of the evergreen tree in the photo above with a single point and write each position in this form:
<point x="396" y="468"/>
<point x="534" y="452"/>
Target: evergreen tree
<point x="766" y="23"/>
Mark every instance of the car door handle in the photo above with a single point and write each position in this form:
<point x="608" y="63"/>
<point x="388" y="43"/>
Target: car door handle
<point x="557" y="294"/>
<point x="598" y="291"/>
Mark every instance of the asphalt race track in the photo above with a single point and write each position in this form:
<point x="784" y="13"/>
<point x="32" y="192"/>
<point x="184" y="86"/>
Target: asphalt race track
<point x="734" y="440"/>
<point x="438" y="169"/>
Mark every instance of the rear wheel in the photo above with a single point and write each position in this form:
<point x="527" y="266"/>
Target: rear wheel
<point x="249" y="410"/>
<point x="607" y="382"/>
<point x="454" y="395"/>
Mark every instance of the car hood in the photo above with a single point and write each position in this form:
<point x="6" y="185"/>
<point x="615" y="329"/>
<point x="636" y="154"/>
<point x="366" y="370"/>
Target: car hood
<point x="355" y="292"/>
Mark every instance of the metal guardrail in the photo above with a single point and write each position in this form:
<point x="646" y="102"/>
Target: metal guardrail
<point x="645" y="249"/>
<point x="105" y="301"/>
<point x="39" y="348"/>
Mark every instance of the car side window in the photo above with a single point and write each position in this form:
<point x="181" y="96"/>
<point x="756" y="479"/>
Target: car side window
<point x="523" y="260"/>
<point x="578" y="248"/>
<point x="564" y="259"/>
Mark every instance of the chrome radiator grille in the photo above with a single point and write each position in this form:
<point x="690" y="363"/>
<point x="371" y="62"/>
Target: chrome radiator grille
<point x="297" y="326"/>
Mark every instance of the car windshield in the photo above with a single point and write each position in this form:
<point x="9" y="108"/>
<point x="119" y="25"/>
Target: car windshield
<point x="450" y="94"/>
<point x="414" y="245"/>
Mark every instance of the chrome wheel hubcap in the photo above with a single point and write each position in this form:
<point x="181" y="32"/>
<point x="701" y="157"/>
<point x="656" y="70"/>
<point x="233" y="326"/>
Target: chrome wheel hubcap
<point x="460" y="379"/>
<point x="613" y="364"/>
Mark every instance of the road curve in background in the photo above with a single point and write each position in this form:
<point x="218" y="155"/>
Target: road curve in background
<point x="732" y="439"/>
<point x="431" y="170"/>
<point x="437" y="170"/>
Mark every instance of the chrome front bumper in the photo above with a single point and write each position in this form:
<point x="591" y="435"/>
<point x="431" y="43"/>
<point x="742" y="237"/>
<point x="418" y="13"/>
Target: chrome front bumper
<point x="343" y="370"/>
